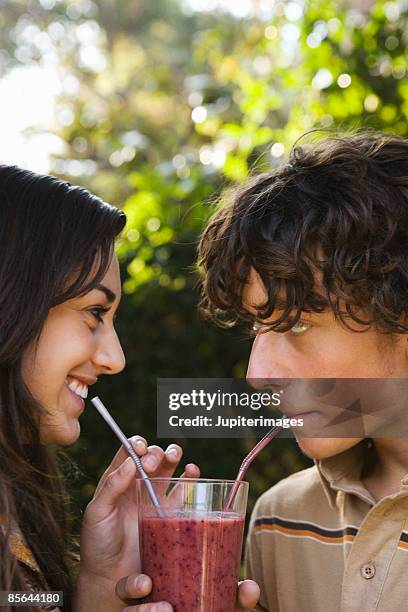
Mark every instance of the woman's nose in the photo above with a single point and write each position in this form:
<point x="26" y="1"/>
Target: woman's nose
<point x="109" y="357"/>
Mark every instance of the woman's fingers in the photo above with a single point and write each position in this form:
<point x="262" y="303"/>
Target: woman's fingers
<point x="191" y="471"/>
<point x="137" y="587"/>
<point x="153" y="459"/>
<point x="248" y="595"/>
<point x="160" y="464"/>
<point x="140" y="446"/>
<point x="108" y="493"/>
<point x="160" y="606"/>
<point x="155" y="462"/>
<point x="177" y="493"/>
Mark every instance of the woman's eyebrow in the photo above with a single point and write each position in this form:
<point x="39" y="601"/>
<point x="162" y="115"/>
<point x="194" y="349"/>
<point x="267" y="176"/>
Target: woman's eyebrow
<point x="110" y="295"/>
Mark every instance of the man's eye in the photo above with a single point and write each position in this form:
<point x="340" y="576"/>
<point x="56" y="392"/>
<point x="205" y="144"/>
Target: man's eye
<point x="299" y="328"/>
<point x="256" y="326"/>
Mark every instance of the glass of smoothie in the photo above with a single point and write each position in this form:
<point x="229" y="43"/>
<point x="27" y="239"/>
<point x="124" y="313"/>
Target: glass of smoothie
<point x="192" y="548"/>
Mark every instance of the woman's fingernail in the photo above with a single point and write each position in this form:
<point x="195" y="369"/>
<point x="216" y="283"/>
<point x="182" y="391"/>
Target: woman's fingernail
<point x="160" y="607"/>
<point x="140" y="444"/>
<point x="172" y="450"/>
<point x="127" y="465"/>
<point x="151" y="462"/>
<point x="140" y="583"/>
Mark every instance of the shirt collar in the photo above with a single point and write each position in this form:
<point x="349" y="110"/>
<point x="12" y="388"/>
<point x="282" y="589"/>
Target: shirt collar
<point x="342" y="472"/>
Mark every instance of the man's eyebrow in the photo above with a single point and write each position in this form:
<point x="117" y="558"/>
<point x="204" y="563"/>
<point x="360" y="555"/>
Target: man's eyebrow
<point x="110" y="295"/>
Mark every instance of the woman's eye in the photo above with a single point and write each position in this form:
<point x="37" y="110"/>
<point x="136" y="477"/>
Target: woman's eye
<point x="98" y="312"/>
<point x="299" y="328"/>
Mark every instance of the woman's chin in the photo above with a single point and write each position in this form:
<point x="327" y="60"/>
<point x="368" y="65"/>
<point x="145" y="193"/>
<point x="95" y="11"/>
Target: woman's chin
<point x="72" y="436"/>
<point x="63" y="436"/>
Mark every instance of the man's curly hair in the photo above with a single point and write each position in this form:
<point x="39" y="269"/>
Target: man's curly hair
<point x="337" y="212"/>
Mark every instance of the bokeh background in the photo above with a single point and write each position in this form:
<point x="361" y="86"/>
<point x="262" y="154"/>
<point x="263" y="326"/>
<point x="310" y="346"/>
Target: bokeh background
<point x="158" y="107"/>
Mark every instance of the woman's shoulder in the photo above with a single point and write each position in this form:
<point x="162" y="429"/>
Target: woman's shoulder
<point x="21" y="551"/>
<point x="17" y="543"/>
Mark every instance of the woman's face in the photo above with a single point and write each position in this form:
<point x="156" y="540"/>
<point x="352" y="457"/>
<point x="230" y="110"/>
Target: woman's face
<point x="74" y="348"/>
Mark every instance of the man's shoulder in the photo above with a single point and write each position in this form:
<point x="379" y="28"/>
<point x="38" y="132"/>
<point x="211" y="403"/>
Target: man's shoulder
<point x="295" y="493"/>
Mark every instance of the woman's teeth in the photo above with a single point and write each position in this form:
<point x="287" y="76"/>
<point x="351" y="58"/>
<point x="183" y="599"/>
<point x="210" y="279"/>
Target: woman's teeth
<point x="78" y="388"/>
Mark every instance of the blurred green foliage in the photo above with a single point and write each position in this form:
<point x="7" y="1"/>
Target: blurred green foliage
<point x="162" y="107"/>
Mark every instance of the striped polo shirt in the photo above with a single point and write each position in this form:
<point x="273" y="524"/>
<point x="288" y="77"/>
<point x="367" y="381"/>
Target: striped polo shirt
<point x="319" y="542"/>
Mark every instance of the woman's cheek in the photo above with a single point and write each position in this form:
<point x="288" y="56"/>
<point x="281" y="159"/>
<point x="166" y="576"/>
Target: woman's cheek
<point x="81" y="341"/>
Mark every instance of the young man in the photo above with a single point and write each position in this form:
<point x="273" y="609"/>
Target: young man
<point x="315" y="256"/>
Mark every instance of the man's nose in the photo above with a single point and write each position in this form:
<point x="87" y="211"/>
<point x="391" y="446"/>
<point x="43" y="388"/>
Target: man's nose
<point x="109" y="357"/>
<point x="267" y="367"/>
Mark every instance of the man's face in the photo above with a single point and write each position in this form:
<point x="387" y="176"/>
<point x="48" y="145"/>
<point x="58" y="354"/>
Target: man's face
<point x="320" y="347"/>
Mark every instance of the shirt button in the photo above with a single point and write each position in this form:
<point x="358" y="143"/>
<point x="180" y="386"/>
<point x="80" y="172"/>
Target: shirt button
<point x="368" y="570"/>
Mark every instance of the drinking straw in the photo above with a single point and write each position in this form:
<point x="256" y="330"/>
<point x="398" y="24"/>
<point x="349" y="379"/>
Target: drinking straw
<point x="103" y="411"/>
<point x="247" y="461"/>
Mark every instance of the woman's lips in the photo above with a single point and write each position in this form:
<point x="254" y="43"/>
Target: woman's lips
<point x="79" y="401"/>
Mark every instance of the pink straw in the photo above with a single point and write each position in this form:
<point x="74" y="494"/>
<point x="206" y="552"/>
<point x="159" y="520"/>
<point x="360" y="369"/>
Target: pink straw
<point x="247" y="462"/>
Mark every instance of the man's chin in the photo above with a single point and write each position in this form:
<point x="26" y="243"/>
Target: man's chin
<point x="323" y="448"/>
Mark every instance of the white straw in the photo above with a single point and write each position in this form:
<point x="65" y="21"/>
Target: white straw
<point x="119" y="433"/>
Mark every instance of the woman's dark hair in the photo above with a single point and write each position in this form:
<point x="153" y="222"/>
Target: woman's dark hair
<point x="56" y="243"/>
<point x="328" y="230"/>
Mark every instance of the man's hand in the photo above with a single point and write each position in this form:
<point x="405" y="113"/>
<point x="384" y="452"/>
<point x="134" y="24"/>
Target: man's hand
<point x="139" y="586"/>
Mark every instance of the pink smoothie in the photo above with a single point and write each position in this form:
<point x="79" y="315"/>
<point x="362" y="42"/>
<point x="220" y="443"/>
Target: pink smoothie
<point x="192" y="560"/>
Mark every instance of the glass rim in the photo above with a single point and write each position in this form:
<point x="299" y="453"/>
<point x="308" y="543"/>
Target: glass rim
<point x="193" y="480"/>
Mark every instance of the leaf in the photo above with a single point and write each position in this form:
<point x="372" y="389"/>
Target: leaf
<point x="235" y="168"/>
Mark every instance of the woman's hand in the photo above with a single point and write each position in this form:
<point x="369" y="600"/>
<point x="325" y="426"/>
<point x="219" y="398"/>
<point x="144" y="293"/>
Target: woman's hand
<point x="137" y="587"/>
<point x="109" y="534"/>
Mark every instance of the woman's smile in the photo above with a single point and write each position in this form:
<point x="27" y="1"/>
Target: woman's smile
<point x="78" y="389"/>
<point x="75" y="397"/>
<point x="72" y="351"/>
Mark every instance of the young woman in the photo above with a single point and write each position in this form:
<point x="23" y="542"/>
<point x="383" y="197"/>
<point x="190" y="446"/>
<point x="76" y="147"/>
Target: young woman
<point x="59" y="290"/>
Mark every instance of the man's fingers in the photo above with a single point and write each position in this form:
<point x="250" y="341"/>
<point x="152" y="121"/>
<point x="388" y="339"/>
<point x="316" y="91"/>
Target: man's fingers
<point x="248" y="595"/>
<point x="133" y="587"/>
